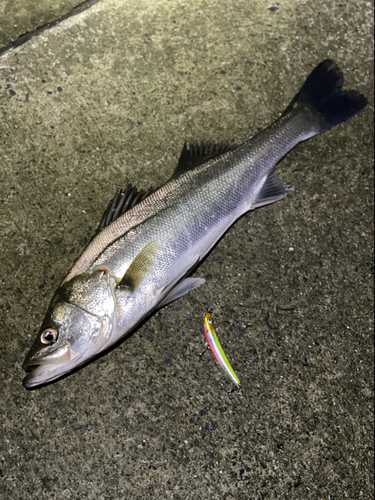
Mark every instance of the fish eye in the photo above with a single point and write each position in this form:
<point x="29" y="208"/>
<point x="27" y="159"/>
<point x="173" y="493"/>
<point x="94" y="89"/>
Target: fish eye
<point x="209" y="321"/>
<point x="49" y="336"/>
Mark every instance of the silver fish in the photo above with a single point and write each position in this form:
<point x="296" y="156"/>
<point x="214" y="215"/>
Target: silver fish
<point x="150" y="242"/>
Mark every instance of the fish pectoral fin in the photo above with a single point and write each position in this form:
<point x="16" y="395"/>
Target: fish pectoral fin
<point x="140" y="266"/>
<point x="272" y="190"/>
<point x="182" y="288"/>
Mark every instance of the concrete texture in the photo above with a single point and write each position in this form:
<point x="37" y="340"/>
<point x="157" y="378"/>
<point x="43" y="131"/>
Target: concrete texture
<point x="110" y="95"/>
<point x="18" y="17"/>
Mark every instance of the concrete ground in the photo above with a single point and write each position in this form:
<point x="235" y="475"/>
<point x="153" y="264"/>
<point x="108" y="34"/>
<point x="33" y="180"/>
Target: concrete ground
<point x="109" y="95"/>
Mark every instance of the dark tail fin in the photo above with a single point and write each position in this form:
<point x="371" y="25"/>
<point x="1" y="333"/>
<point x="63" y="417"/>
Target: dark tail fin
<point x="322" y="95"/>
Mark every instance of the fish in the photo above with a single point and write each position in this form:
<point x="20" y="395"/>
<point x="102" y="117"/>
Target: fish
<point x="217" y="350"/>
<point x="150" y="242"/>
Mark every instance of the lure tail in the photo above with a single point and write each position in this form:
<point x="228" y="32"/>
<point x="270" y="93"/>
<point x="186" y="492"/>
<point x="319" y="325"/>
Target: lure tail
<point x="322" y="97"/>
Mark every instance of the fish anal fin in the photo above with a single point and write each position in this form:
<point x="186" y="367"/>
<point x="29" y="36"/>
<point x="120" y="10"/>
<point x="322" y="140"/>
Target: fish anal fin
<point x="140" y="266"/>
<point x="182" y="288"/>
<point x="272" y="190"/>
<point x="197" y="153"/>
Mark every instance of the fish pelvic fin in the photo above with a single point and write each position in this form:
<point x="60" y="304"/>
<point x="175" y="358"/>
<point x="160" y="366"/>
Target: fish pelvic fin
<point x="322" y="96"/>
<point x="140" y="266"/>
<point x="182" y="288"/>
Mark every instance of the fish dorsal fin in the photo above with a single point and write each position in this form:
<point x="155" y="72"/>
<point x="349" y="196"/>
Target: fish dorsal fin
<point x="272" y="190"/>
<point x="123" y="201"/>
<point x="198" y="152"/>
<point x="140" y="266"/>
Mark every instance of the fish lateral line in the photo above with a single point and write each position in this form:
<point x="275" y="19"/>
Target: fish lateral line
<point x="148" y="241"/>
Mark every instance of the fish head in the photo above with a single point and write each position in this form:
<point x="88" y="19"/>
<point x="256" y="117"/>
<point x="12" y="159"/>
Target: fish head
<point x="80" y="322"/>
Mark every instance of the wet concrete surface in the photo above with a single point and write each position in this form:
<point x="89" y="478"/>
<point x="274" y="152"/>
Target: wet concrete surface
<point x="110" y="95"/>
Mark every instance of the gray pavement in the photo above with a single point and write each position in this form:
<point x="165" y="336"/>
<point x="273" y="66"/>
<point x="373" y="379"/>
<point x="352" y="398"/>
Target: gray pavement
<point x="21" y="18"/>
<point x="110" y="95"/>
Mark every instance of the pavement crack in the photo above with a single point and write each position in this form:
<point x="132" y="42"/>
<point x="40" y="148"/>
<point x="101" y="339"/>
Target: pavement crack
<point x="31" y="34"/>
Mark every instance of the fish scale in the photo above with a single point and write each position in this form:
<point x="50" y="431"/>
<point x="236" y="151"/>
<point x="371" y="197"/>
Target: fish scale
<point x="216" y="194"/>
<point x="142" y="260"/>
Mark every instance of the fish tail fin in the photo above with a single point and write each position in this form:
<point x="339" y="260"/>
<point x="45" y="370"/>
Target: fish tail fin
<point x="327" y="104"/>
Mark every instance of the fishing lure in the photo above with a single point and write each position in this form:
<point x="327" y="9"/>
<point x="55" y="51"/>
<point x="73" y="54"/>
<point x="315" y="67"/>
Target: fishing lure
<point x="214" y="345"/>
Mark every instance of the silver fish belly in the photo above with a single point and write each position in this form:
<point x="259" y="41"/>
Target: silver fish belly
<point x="141" y="260"/>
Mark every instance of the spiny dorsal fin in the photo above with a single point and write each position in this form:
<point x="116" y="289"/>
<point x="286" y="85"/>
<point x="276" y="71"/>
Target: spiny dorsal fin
<point x="197" y="153"/>
<point x="140" y="266"/>
<point x="123" y="201"/>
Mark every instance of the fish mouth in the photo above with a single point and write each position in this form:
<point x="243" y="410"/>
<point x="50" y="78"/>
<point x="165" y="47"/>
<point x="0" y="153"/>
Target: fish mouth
<point x="29" y="368"/>
<point x="46" y="369"/>
<point x="35" y="376"/>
